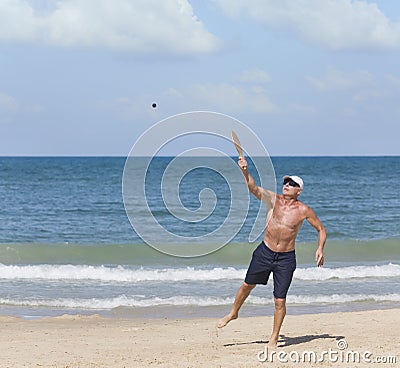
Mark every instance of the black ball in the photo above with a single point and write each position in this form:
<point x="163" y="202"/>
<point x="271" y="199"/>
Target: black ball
<point x="154" y="105"/>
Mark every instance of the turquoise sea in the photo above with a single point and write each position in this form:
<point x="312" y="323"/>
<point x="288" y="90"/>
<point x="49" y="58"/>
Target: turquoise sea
<point x="67" y="244"/>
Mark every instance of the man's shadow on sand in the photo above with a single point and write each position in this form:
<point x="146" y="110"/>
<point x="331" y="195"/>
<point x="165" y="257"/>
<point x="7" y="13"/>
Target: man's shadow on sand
<point x="288" y="341"/>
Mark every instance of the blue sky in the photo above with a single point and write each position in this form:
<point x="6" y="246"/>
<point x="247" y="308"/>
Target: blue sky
<point x="309" y="77"/>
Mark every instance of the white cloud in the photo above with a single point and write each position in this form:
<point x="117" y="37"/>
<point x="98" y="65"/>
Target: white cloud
<point x="228" y="98"/>
<point x="173" y="92"/>
<point x="222" y="97"/>
<point x="140" y="26"/>
<point x="303" y="109"/>
<point x="247" y="95"/>
<point x="254" y="76"/>
<point x="360" y="85"/>
<point x="124" y="106"/>
<point x="9" y="105"/>
<point x="336" y="80"/>
<point x="7" y="102"/>
<point x="335" y="24"/>
<point x="369" y="95"/>
<point x="393" y="79"/>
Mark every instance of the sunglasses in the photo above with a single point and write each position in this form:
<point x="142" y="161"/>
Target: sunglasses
<point x="291" y="183"/>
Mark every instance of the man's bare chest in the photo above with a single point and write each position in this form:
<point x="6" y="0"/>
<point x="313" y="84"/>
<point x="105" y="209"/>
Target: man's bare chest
<point x="287" y="217"/>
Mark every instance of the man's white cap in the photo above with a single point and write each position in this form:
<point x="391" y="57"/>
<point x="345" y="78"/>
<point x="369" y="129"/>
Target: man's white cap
<point x="296" y="179"/>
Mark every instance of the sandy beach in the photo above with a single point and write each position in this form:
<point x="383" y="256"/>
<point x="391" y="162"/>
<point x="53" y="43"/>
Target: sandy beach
<point x="93" y="341"/>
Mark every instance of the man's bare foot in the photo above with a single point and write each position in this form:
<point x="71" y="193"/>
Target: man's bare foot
<point x="224" y="321"/>
<point x="272" y="343"/>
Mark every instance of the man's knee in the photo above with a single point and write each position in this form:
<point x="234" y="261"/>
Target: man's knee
<point x="248" y="287"/>
<point x="280" y="303"/>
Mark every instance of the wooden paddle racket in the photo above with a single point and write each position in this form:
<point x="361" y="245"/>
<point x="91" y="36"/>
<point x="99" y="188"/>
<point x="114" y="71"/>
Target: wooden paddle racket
<point x="238" y="146"/>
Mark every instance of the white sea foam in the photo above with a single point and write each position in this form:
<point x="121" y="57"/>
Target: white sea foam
<point x="123" y="274"/>
<point x="119" y="274"/>
<point x="197" y="301"/>
<point x="325" y="273"/>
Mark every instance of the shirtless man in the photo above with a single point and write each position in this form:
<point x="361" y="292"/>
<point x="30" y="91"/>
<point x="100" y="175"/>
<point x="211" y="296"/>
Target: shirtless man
<point x="276" y="253"/>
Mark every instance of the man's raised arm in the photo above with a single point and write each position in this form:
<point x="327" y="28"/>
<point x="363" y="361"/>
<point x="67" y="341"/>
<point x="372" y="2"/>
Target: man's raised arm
<point x="261" y="193"/>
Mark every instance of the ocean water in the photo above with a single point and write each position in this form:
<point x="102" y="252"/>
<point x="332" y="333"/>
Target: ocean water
<point x="67" y="244"/>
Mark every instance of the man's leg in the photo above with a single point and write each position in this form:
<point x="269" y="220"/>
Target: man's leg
<point x="279" y="315"/>
<point x="241" y="295"/>
<point x="283" y="275"/>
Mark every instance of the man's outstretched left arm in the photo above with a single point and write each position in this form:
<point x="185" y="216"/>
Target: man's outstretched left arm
<point x="317" y="224"/>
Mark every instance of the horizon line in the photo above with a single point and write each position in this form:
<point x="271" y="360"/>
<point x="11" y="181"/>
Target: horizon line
<point x="121" y="156"/>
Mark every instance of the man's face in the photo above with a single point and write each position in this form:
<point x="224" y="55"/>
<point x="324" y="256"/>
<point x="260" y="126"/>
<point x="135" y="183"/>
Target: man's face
<point x="290" y="187"/>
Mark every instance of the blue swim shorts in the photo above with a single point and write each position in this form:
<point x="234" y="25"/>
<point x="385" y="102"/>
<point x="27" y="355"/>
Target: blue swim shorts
<point x="265" y="261"/>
